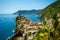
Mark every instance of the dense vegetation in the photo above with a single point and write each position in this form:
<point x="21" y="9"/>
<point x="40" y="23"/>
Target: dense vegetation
<point x="51" y="12"/>
<point x="42" y="33"/>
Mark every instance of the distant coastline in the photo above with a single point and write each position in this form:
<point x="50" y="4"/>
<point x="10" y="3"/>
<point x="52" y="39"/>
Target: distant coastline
<point x="33" y="11"/>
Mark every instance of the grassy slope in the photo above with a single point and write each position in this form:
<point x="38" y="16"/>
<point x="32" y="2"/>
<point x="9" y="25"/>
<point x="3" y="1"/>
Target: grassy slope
<point x="51" y="10"/>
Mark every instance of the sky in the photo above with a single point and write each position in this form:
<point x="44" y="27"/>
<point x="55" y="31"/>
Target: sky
<point x="12" y="6"/>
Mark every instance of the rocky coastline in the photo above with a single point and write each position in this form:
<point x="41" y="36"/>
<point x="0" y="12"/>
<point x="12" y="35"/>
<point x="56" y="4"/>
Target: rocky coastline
<point x="25" y="29"/>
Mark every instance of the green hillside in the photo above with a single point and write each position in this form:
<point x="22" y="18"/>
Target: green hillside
<point x="51" y="10"/>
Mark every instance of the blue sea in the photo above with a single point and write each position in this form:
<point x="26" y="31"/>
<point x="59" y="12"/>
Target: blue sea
<point x="8" y="24"/>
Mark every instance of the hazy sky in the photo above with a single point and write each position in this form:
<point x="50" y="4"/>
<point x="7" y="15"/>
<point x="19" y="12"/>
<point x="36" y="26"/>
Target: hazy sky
<point x="11" y="6"/>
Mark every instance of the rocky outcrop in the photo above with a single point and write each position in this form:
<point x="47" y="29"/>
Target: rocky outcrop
<point x="25" y="29"/>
